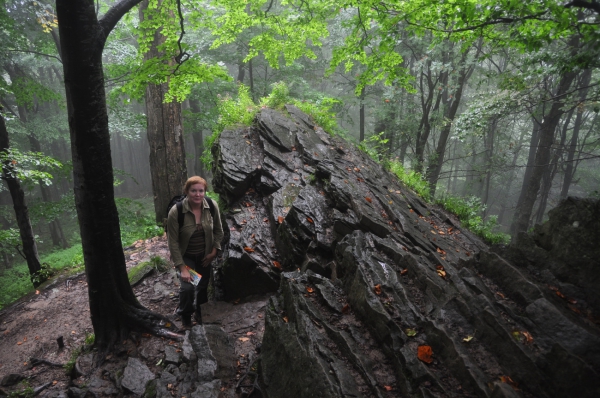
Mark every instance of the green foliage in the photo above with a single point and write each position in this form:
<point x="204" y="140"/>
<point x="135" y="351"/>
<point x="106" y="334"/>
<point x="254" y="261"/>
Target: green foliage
<point x="136" y="222"/>
<point x="241" y="111"/>
<point x="26" y="391"/>
<point x="44" y="273"/>
<point x="9" y="240"/>
<point x="469" y="211"/>
<point x="70" y="365"/>
<point x="411" y="179"/>
<point x="29" y="167"/>
<point x="375" y="146"/>
<point x="90" y="338"/>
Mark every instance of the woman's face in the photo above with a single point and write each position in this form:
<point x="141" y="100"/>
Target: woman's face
<point x="196" y="194"/>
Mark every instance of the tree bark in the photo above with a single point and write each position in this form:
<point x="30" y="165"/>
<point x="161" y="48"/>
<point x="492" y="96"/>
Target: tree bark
<point x="542" y="157"/>
<point x="114" y="308"/>
<point x="198" y="139"/>
<point x="165" y="136"/>
<point x="21" y="211"/>
<point x="569" y="170"/>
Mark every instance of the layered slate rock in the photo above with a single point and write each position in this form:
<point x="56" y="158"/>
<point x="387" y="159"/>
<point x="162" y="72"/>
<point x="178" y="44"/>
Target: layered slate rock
<point x="369" y="276"/>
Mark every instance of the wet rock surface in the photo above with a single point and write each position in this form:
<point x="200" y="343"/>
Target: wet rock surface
<point x="380" y="295"/>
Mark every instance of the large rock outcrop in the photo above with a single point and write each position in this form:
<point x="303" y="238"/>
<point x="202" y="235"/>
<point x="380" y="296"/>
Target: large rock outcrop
<point x="379" y="294"/>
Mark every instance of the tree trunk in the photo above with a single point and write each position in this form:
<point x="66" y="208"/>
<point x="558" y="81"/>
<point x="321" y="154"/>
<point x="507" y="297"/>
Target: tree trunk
<point x="114" y="308"/>
<point x="165" y="136"/>
<point x="197" y="136"/>
<point x="435" y="166"/>
<point x="542" y="157"/>
<point x="21" y="211"/>
<point x="585" y="82"/>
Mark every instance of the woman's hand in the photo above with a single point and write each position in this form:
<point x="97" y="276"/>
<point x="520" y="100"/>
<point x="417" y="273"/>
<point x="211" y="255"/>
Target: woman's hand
<point x="185" y="274"/>
<point x="209" y="258"/>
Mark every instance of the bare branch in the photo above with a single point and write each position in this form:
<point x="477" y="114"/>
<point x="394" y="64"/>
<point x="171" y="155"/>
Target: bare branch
<point x="116" y="12"/>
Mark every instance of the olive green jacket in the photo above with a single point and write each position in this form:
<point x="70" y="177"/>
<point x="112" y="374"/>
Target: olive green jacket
<point x="179" y="239"/>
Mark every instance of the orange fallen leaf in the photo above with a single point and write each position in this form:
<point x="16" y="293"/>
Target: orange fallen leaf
<point x="368" y="199"/>
<point x="345" y="308"/>
<point x="388" y="388"/>
<point x="280" y="219"/>
<point x="442" y="252"/>
<point x="509" y="381"/>
<point x="404" y="271"/>
<point x="528" y="337"/>
<point x="450" y="230"/>
<point x="310" y="220"/>
<point x="37" y="292"/>
<point x="377" y="289"/>
<point x="439" y="267"/>
<point x="285" y="319"/>
<point x="309" y="289"/>
<point x="243" y="339"/>
<point x="572" y="301"/>
<point x="54" y="382"/>
<point x="19" y="342"/>
<point x="502" y="296"/>
<point x="276" y="264"/>
<point x="356" y="169"/>
<point x="266" y="219"/>
<point x="441" y="232"/>
<point x="559" y="294"/>
<point x="424" y="353"/>
<point x="249" y="249"/>
<point x="441" y="273"/>
<point x="250" y="333"/>
<point x="468" y="254"/>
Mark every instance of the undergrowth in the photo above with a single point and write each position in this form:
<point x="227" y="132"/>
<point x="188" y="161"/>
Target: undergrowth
<point x="137" y="222"/>
<point x="241" y="111"/>
<point x="468" y="210"/>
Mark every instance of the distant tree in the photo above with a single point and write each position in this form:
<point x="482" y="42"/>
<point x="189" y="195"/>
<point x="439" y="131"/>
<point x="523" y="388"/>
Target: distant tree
<point x="9" y="175"/>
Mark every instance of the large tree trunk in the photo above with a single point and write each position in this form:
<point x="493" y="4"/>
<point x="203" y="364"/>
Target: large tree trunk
<point x="114" y="308"/>
<point x="198" y="139"/>
<point x="542" y="157"/>
<point x="21" y="211"/>
<point x="165" y="135"/>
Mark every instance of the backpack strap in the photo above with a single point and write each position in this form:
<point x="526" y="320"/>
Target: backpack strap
<point x="179" y="213"/>
<point x="211" y="206"/>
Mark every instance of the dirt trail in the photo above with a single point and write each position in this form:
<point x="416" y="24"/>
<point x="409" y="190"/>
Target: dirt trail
<point x="30" y="327"/>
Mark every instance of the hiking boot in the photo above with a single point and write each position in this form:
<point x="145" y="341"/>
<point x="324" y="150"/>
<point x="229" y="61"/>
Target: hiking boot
<point x="186" y="321"/>
<point x="198" y="318"/>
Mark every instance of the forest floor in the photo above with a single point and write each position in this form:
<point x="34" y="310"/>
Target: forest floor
<point x="29" y="328"/>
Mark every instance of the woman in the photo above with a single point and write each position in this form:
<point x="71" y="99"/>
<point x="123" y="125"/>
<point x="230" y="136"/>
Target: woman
<point x="195" y="244"/>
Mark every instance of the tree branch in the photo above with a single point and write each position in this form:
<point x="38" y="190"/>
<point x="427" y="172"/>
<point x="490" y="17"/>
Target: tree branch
<point x="116" y="12"/>
<point x="35" y="52"/>
<point x="590" y="5"/>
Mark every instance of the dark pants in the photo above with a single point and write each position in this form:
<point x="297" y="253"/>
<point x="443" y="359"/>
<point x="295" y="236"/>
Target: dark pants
<point x="190" y="296"/>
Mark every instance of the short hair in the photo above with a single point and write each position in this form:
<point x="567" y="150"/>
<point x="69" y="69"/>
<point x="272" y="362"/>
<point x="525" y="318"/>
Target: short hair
<point x="193" y="181"/>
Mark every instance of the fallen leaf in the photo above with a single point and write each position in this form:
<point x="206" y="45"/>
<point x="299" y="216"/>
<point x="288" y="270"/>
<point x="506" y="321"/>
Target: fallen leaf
<point x="377" y="289"/>
<point x="19" y="342"/>
<point x="309" y="289"/>
<point x="468" y="254"/>
<point x="411" y="332"/>
<point x="265" y="219"/>
<point x="248" y="142"/>
<point x="249" y="249"/>
<point x="37" y="292"/>
<point x="411" y="210"/>
<point x="450" y="230"/>
<point x="73" y="332"/>
<point x="404" y="271"/>
<point x="468" y="339"/>
<point x="357" y="169"/>
<point x="285" y="319"/>
<point x="37" y="337"/>
<point x="441" y="273"/>
<point x="509" y="381"/>
<point x="441" y="232"/>
<point x="442" y="252"/>
<point x="54" y="382"/>
<point x="572" y="301"/>
<point x="439" y="267"/>
<point x="276" y="264"/>
<point x="243" y="339"/>
<point x="250" y="333"/>
<point x="552" y="287"/>
<point x="528" y="337"/>
<point x="24" y="338"/>
<point x="280" y="219"/>
<point x="502" y="296"/>
<point x="559" y="294"/>
<point x="388" y="388"/>
<point x="424" y="353"/>
<point x="310" y="220"/>
<point x="236" y="301"/>
<point x="146" y="335"/>
<point x="345" y="308"/>
<point x="253" y="235"/>
<point x="368" y="199"/>
<point x="433" y="232"/>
